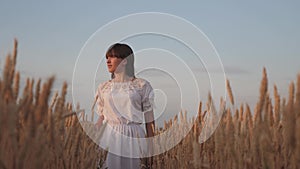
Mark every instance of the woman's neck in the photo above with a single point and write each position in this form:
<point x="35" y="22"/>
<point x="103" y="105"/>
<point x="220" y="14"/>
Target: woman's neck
<point x="121" y="77"/>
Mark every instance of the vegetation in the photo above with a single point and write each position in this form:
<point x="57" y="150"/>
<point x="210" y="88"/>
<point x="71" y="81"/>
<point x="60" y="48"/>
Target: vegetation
<point x="42" y="132"/>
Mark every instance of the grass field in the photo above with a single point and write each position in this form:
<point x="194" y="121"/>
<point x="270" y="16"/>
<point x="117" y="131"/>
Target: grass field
<point x="42" y="132"/>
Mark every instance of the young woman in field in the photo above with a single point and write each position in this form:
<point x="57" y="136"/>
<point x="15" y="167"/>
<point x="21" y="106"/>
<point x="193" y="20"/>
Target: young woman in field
<point x="124" y="102"/>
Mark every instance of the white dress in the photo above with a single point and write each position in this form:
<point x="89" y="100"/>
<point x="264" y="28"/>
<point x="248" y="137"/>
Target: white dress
<point x="123" y="105"/>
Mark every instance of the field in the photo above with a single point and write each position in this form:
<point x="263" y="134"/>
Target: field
<point x="42" y="132"/>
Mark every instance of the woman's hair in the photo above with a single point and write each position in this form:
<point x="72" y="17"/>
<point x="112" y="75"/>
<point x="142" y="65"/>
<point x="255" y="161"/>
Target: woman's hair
<point x="122" y="51"/>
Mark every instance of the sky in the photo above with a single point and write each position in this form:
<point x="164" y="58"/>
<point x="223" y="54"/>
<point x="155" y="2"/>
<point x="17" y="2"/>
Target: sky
<point x="246" y="35"/>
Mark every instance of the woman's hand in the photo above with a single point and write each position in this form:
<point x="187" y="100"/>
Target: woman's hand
<point x="99" y="122"/>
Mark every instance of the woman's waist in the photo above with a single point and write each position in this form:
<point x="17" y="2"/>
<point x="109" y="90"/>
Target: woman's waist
<point x="132" y="129"/>
<point x="121" y="122"/>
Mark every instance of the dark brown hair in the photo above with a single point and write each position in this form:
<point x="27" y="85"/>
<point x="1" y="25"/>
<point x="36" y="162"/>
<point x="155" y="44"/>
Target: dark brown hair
<point x="122" y="51"/>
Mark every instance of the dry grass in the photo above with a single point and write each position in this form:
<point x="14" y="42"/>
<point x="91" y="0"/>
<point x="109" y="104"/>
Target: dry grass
<point x="36" y="133"/>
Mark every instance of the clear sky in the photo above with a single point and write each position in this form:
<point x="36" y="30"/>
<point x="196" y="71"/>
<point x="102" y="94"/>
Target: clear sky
<point x="248" y="35"/>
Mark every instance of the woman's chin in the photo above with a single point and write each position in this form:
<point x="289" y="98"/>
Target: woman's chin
<point x="110" y="71"/>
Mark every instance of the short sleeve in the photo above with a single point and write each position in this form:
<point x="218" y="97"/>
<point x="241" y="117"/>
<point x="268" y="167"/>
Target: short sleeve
<point x="147" y="97"/>
<point x="99" y="101"/>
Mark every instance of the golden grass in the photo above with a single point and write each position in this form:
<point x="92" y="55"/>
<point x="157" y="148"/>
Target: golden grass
<point x="36" y="133"/>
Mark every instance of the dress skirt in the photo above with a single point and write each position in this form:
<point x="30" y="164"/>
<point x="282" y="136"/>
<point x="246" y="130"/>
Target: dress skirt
<point x="124" y="148"/>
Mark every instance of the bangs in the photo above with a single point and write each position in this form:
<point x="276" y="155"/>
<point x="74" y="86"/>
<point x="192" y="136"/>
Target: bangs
<point x="112" y="53"/>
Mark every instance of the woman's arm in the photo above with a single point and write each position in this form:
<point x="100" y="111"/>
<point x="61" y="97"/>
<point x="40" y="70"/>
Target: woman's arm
<point x="150" y="124"/>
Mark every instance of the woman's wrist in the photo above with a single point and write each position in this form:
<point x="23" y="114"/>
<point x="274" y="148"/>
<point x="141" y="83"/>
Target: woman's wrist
<point x="100" y="119"/>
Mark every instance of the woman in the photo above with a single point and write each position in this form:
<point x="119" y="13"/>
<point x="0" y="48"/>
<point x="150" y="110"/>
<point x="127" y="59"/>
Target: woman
<point x="124" y="102"/>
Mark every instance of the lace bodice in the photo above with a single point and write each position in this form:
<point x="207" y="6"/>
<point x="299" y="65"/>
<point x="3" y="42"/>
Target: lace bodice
<point x="125" y="102"/>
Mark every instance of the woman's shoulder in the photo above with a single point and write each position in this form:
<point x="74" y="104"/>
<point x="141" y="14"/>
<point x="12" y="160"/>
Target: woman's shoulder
<point x="136" y="83"/>
<point x="142" y="82"/>
<point x="103" y="85"/>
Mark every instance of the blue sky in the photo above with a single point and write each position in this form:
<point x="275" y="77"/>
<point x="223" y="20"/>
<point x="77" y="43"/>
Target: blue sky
<point x="247" y="35"/>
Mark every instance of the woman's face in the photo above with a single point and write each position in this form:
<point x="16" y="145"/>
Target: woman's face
<point x="113" y="64"/>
